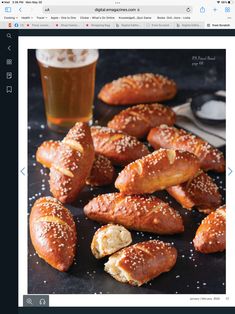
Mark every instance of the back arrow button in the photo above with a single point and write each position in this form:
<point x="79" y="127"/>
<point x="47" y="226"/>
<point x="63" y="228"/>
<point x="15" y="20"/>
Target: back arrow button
<point x="22" y="171"/>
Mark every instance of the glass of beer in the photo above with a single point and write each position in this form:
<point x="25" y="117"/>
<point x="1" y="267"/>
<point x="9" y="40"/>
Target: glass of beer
<point x="68" y="84"/>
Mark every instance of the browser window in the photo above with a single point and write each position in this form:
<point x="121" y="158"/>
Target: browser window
<point x="125" y="161"/>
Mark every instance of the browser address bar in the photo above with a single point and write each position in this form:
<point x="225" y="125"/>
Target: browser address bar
<point x="163" y="9"/>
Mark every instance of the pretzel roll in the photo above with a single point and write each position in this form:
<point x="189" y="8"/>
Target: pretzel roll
<point x="109" y="239"/>
<point x="157" y="171"/>
<point x="119" y="148"/>
<point x="141" y="262"/>
<point x="169" y="137"/>
<point x="72" y="163"/>
<point x="200" y="192"/>
<point x="211" y="234"/>
<point x="53" y="232"/>
<point x="102" y="172"/>
<point x="138" y="120"/>
<point x="137" y="212"/>
<point x="137" y="89"/>
<point x="46" y="152"/>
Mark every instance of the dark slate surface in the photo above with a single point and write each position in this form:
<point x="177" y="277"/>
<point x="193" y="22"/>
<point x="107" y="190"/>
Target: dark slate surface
<point x="194" y="272"/>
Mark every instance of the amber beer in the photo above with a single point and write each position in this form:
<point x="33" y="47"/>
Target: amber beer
<point x="68" y="83"/>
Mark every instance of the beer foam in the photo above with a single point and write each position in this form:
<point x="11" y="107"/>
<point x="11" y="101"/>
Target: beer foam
<point x="67" y="58"/>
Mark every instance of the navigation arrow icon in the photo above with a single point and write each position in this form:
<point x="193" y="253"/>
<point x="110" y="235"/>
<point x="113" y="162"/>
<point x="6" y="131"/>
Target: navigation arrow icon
<point x="230" y="171"/>
<point x="22" y="171"/>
